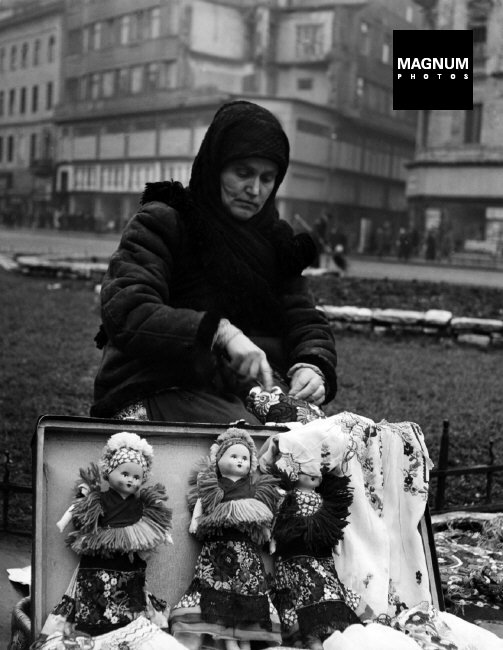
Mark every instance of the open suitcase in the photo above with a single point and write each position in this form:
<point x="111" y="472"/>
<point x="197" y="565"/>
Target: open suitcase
<point x="61" y="445"/>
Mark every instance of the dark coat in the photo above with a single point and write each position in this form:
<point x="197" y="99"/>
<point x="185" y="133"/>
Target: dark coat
<point x="160" y="314"/>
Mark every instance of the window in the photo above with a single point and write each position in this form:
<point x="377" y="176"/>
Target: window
<point x="34" y="99"/>
<point x="136" y="79"/>
<point x="152" y="76"/>
<point x="108" y="84"/>
<point x="33" y="146"/>
<point x="153" y="23"/>
<point x="2" y="100"/>
<point x="86" y="39"/>
<point x="2" y="59"/>
<point x="24" y="55"/>
<point x="12" y="100"/>
<point x="386" y="50"/>
<point x="309" y="41"/>
<point x="479" y="41"/>
<point x="425" y="125"/>
<point x="10" y="148"/>
<point x="96" y="37"/>
<point x="123" y="81"/>
<point x="364" y="39"/>
<point x="95" y="86"/>
<point x="125" y="29"/>
<point x="46" y="145"/>
<point x="360" y="87"/>
<point x="409" y="14"/>
<point x="49" y="95"/>
<point x="305" y="83"/>
<point x="36" y="52"/>
<point x="13" y="57"/>
<point x="473" y="124"/>
<point x="51" y="49"/>
<point x="22" y="101"/>
<point x="1" y="148"/>
<point x="84" y="87"/>
<point x="108" y="37"/>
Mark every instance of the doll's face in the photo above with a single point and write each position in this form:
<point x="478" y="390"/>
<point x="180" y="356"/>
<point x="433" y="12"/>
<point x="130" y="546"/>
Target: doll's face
<point x="235" y="462"/>
<point x="307" y="483"/>
<point x="126" y="479"/>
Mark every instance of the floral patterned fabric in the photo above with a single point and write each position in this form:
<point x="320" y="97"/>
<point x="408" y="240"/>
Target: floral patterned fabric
<point x="108" y="599"/>
<point x="312" y="584"/>
<point x="229" y="591"/>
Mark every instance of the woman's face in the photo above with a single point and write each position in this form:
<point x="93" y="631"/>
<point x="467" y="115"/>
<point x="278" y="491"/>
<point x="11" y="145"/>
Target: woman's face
<point x="245" y="186"/>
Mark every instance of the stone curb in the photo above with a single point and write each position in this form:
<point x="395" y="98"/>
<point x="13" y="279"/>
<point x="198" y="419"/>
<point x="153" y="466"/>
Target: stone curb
<point x="479" y="332"/>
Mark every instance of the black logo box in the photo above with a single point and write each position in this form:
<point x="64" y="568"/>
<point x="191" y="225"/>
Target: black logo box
<point x="453" y="89"/>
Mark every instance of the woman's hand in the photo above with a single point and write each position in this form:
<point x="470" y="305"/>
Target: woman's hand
<point x="306" y="384"/>
<point x="248" y="360"/>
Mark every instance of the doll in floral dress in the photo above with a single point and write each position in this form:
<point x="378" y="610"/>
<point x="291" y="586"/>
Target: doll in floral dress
<point x="311" y="600"/>
<point x="228" y="597"/>
<point x="114" y="531"/>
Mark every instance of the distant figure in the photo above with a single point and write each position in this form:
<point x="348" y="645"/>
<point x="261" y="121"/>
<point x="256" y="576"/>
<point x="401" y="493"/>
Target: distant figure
<point x="338" y="244"/>
<point x="430" y="252"/>
<point x="403" y="245"/>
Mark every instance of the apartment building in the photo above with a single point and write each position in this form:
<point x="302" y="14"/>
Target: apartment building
<point x="454" y="181"/>
<point x="142" y="79"/>
<point x="30" y="72"/>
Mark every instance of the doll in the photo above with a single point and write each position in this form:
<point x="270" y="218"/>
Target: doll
<point x="114" y="531"/>
<point x="228" y="597"/>
<point x="311" y="600"/>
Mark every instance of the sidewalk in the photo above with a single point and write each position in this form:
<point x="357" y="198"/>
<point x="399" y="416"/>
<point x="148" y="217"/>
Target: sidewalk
<point x="15" y="553"/>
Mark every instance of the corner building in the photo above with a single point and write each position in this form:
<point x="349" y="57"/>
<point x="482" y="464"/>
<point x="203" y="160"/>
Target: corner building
<point x="454" y="181"/>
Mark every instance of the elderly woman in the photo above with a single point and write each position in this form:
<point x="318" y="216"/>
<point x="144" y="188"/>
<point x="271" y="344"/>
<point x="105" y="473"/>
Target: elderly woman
<point x="204" y="297"/>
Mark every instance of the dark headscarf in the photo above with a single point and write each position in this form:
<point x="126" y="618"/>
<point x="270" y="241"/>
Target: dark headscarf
<point x="248" y="260"/>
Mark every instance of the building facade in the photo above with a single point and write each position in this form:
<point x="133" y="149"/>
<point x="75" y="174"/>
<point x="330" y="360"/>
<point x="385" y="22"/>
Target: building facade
<point x="454" y="182"/>
<point x="30" y="73"/>
<point x="142" y="79"/>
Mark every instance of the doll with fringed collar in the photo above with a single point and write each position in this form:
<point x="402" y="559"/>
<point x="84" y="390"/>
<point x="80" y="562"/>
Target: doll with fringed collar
<point x="311" y="600"/>
<point x="114" y="532"/>
<point x="233" y="510"/>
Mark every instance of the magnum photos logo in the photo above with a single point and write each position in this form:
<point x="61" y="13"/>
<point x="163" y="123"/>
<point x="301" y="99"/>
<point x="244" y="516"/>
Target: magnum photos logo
<point x="432" y="70"/>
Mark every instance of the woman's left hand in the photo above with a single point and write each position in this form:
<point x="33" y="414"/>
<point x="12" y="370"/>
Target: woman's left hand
<point x="308" y="385"/>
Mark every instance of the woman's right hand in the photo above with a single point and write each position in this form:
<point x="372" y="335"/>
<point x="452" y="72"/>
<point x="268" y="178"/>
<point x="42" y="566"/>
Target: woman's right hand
<point x="249" y="361"/>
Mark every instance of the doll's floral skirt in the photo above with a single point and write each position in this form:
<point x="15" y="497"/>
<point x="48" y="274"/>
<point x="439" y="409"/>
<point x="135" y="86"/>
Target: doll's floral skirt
<point x="311" y="600"/>
<point x="228" y="597"/>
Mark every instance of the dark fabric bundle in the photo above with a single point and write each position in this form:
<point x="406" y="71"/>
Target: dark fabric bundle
<point x="316" y="534"/>
<point x="248" y="261"/>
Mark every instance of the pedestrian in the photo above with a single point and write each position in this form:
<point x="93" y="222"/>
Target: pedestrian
<point x="204" y="298"/>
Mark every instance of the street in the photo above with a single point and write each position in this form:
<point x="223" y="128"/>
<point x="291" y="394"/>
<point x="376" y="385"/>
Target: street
<point x="86" y="244"/>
